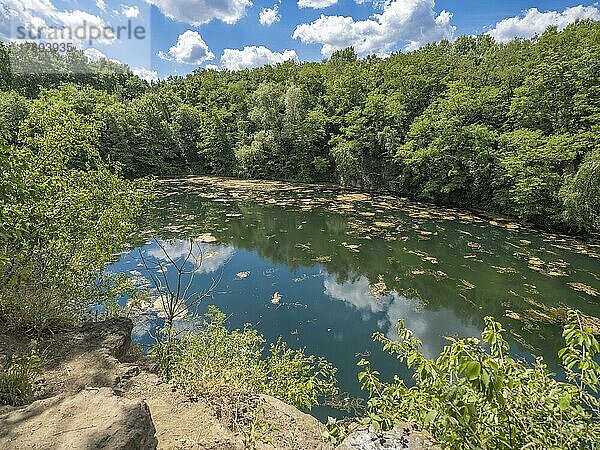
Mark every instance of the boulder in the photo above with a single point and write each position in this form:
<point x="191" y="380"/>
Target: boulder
<point x="85" y="357"/>
<point x="91" y="419"/>
<point x="92" y="394"/>
<point x="402" y="437"/>
<point x="291" y="428"/>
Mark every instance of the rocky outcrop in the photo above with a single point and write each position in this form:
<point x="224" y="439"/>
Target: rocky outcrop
<point x="184" y="424"/>
<point x="301" y="431"/>
<point x="402" y="437"/>
<point x="84" y="357"/>
<point x="92" y="395"/>
<point x="180" y="424"/>
<point x="91" y="419"/>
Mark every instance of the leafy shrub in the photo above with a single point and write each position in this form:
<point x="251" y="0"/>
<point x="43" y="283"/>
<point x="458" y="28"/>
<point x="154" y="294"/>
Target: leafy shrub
<point x="59" y="224"/>
<point x="475" y="396"/>
<point x="581" y="195"/>
<point x="16" y="379"/>
<point x="217" y="362"/>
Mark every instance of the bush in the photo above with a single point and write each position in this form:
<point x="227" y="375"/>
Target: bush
<point x="475" y="396"/>
<point x="17" y="378"/>
<point x="581" y="196"/>
<point x="214" y="361"/>
<point x="59" y="225"/>
<point x="27" y="310"/>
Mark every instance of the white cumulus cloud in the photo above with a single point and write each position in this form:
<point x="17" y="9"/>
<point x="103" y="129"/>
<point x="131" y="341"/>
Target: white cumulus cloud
<point x="101" y="4"/>
<point x="268" y="16"/>
<point x="93" y="54"/>
<point x="189" y="49"/>
<point x="534" y="22"/>
<point x="316" y="4"/>
<point x="197" y="12"/>
<point x="77" y="18"/>
<point x="407" y="24"/>
<point x="251" y="57"/>
<point x="145" y="74"/>
<point x="130" y="11"/>
<point x="42" y="14"/>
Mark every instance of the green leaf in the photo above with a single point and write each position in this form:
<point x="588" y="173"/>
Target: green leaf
<point x="430" y="417"/>
<point x="473" y="370"/>
<point x="564" y="402"/>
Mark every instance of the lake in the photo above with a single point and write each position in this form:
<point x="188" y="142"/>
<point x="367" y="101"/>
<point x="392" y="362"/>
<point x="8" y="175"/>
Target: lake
<point x="346" y="264"/>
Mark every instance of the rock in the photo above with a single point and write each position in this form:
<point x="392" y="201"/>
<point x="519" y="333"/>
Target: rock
<point x="93" y="394"/>
<point x="112" y="337"/>
<point x="292" y="429"/>
<point x="91" y="419"/>
<point x="402" y="437"/>
<point x="85" y="357"/>
<point x="180" y="424"/>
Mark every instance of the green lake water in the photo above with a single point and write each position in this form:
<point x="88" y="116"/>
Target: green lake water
<point x="347" y="264"/>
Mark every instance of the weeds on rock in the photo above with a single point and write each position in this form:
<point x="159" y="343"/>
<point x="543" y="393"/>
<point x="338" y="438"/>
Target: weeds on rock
<point x="216" y="362"/>
<point x="29" y="310"/>
<point x="17" y="379"/>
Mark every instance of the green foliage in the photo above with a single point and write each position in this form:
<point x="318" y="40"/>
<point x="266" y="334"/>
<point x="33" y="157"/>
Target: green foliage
<point x="29" y="309"/>
<point x="17" y="379"/>
<point x="29" y="69"/>
<point x="187" y="125"/>
<point x="475" y="396"/>
<point x="285" y="138"/>
<point x="151" y="144"/>
<point x="501" y="127"/>
<point x="299" y="379"/>
<point x="214" y="361"/>
<point x="64" y="212"/>
<point x="335" y="432"/>
<point x="214" y="144"/>
<point x="59" y="136"/>
<point x="111" y="290"/>
<point x="450" y="152"/>
<point x="14" y="109"/>
<point x="581" y="195"/>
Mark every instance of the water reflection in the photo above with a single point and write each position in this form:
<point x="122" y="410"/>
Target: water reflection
<point x="207" y="258"/>
<point x="348" y="265"/>
<point x="431" y="327"/>
<point x="168" y="271"/>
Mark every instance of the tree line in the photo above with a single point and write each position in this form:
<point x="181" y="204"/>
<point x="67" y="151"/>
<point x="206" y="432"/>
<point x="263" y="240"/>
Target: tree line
<point x="509" y="128"/>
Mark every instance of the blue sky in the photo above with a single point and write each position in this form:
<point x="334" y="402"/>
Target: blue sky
<point x="182" y="35"/>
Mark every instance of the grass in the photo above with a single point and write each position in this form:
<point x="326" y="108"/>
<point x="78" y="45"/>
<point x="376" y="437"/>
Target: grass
<point x="215" y="362"/>
<point x="17" y="379"/>
<point x="25" y="310"/>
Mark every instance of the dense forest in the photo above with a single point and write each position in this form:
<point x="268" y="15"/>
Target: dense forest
<point x="509" y="128"/>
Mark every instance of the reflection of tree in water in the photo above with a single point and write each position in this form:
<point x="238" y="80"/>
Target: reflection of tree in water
<point x="171" y="267"/>
<point x="449" y="266"/>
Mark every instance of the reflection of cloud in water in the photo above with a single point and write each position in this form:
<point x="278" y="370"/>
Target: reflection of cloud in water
<point x="145" y="327"/>
<point x="213" y="256"/>
<point x="356" y="292"/>
<point x="429" y="326"/>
